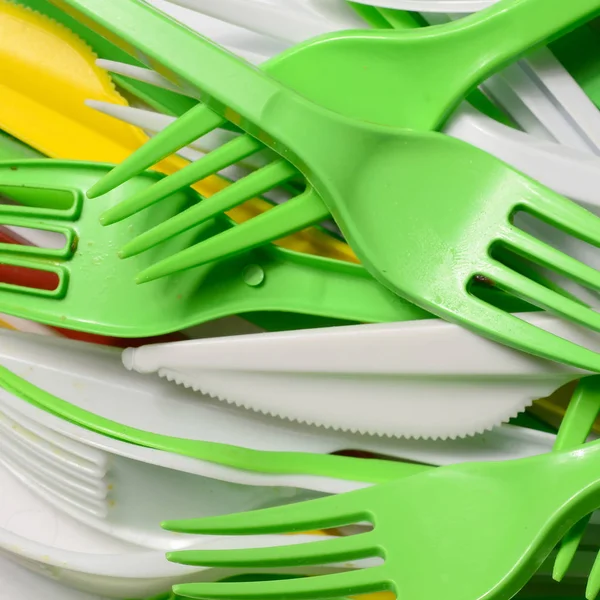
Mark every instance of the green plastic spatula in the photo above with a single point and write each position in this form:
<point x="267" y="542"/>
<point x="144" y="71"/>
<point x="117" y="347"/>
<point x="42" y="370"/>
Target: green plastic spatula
<point x="430" y="247"/>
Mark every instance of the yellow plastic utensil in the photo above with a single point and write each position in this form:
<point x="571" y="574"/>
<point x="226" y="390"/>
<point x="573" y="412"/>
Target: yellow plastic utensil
<point x="47" y="73"/>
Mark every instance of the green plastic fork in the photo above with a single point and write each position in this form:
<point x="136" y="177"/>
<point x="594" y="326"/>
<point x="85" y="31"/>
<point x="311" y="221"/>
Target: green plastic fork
<point x="96" y="291"/>
<point x="578" y="420"/>
<point x="429" y="247"/>
<point x="470" y="531"/>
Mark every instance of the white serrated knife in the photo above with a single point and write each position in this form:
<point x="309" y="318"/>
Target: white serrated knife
<point x="428" y="379"/>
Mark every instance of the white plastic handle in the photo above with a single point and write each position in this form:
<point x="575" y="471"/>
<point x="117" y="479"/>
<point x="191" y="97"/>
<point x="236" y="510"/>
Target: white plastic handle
<point x="288" y="21"/>
<point x="558" y="85"/>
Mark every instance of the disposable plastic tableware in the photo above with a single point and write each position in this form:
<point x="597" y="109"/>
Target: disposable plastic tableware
<point x="37" y="536"/>
<point x="13" y="150"/>
<point x="56" y="547"/>
<point x="526" y="103"/>
<point x="93" y="379"/>
<point x="292" y="21"/>
<point x="543" y="98"/>
<point x="577" y="425"/>
<point x="422" y="379"/>
<point x="267" y="280"/>
<point x="385" y="147"/>
<point x="571" y="172"/>
<point x="517" y="510"/>
<point x="119" y="489"/>
<point x="61" y="126"/>
<point x="379" y="470"/>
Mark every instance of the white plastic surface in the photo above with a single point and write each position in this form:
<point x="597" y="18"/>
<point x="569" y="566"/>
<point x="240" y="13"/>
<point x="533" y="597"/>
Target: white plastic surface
<point x="253" y="47"/>
<point x="289" y="21"/>
<point x="420" y="379"/>
<point x="62" y="551"/>
<point x="93" y="378"/>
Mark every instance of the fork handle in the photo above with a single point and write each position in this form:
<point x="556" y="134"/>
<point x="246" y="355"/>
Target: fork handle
<point x="498" y="35"/>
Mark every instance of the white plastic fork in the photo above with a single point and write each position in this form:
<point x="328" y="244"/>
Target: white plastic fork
<point x="574" y="173"/>
<point x="125" y="493"/>
<point x="38" y="537"/>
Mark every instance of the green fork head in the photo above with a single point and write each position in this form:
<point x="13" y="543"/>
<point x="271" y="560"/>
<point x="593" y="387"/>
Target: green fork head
<point x="423" y="212"/>
<point x="96" y="290"/>
<point x="470" y="531"/>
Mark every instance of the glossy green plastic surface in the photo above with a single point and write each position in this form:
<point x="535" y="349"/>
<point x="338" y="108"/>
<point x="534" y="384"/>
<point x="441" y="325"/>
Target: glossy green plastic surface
<point x="422" y="211"/>
<point x="263" y="577"/>
<point x="97" y="291"/>
<point x="576" y="426"/>
<point x="13" y="149"/>
<point x="339" y="467"/>
<point x="471" y="531"/>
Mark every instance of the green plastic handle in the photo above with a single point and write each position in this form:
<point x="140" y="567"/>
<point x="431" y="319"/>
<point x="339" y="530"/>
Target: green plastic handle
<point x="298" y="463"/>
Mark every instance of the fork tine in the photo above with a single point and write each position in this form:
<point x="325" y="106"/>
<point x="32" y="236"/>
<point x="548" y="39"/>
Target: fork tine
<point x="303" y="211"/>
<point x="593" y="585"/>
<point x="568" y="549"/>
<point x="537" y="294"/>
<point x="213" y="162"/>
<point x="338" y="550"/>
<point x="575" y="428"/>
<point x="195" y="123"/>
<point x="323" y="513"/>
<point x="244" y="189"/>
<point x="142" y="74"/>
<point x="154" y="122"/>
<point x="353" y="583"/>
<point x="564" y="214"/>
<point x="541" y="253"/>
<point x="488" y="320"/>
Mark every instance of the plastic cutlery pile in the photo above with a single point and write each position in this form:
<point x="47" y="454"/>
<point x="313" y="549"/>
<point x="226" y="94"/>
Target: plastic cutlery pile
<point x="299" y="299"/>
